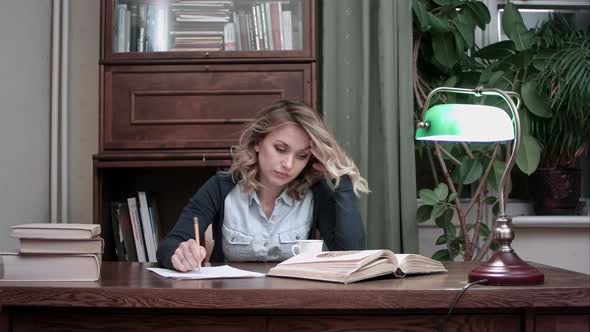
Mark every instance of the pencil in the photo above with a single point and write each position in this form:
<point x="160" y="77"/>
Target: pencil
<point x="196" y="220"/>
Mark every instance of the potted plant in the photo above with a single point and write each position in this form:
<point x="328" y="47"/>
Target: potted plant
<point x="564" y="136"/>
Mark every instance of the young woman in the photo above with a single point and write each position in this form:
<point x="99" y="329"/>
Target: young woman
<point x="288" y="177"/>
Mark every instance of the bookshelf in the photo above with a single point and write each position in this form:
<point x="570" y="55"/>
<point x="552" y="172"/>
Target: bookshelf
<point x="179" y="79"/>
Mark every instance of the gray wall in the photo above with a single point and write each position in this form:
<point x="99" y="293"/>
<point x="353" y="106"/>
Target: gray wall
<point x="83" y="105"/>
<point x="25" y="36"/>
<point x="25" y="77"/>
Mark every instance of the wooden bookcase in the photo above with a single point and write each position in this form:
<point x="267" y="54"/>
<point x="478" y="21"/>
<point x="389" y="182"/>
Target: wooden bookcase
<point x="175" y="92"/>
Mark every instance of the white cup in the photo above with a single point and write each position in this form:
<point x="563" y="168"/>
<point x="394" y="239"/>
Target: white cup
<point x="307" y="247"/>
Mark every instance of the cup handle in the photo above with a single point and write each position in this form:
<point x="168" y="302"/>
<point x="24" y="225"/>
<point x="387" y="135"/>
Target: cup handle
<point x="293" y="250"/>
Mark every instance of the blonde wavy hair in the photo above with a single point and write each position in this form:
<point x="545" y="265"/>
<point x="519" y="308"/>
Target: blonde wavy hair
<point x="245" y="159"/>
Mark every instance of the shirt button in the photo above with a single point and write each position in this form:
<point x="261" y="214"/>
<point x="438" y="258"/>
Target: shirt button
<point x="266" y="244"/>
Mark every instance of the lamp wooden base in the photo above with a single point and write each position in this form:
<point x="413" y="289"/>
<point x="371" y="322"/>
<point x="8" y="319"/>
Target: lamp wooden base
<point x="507" y="269"/>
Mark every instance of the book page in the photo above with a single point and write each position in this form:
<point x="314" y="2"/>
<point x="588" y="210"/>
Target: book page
<point x="207" y="272"/>
<point x="353" y="256"/>
<point x="414" y="263"/>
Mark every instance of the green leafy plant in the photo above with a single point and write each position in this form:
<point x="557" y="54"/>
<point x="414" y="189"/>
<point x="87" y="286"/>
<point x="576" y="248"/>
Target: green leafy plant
<point x="473" y="165"/>
<point x="564" y="136"/>
<point x="517" y="64"/>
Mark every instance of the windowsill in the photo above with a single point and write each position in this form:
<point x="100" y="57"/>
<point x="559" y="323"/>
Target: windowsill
<point x="551" y="222"/>
<point x="523" y="217"/>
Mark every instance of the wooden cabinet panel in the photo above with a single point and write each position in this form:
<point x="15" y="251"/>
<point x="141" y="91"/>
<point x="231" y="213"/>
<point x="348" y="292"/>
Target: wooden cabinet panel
<point x="556" y="323"/>
<point x="107" y="320"/>
<point x="192" y="107"/>
<point x="426" y="323"/>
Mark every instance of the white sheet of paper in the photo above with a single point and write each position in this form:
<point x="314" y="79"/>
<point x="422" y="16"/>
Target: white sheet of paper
<point x="209" y="272"/>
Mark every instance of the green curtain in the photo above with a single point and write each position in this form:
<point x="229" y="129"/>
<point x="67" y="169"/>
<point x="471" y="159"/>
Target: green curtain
<point x="366" y="100"/>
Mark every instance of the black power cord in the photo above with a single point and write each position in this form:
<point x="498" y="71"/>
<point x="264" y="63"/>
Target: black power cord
<point x="443" y="324"/>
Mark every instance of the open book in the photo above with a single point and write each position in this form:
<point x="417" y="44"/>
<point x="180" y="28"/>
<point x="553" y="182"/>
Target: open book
<point x="351" y="266"/>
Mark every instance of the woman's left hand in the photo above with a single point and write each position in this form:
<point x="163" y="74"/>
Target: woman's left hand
<point x="318" y="166"/>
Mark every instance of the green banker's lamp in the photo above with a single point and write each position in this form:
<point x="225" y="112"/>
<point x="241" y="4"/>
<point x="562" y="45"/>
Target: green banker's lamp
<point x="477" y="124"/>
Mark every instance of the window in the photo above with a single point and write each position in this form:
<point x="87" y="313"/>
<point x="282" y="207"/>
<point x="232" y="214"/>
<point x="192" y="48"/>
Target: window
<point x="535" y="12"/>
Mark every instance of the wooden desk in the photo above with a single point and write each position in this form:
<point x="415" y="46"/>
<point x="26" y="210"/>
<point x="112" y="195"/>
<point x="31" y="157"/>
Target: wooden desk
<point x="128" y="297"/>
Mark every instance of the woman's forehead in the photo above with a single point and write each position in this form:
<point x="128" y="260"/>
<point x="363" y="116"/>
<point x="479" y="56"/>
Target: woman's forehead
<point x="292" y="135"/>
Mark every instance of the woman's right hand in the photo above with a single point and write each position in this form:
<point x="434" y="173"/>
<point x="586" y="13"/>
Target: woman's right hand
<point x="188" y="255"/>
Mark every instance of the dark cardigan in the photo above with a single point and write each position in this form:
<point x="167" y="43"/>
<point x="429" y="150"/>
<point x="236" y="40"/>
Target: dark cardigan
<point x="335" y="215"/>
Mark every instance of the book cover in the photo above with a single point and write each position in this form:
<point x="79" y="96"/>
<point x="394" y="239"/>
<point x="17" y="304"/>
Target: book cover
<point x="352" y="266"/>
<point x="55" y="231"/>
<point x="15" y="267"/>
<point x="58" y="246"/>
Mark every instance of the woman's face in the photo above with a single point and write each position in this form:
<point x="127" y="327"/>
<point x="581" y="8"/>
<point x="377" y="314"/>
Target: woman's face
<point x="282" y="155"/>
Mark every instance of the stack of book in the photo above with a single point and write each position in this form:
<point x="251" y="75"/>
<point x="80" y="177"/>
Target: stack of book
<point x="54" y="252"/>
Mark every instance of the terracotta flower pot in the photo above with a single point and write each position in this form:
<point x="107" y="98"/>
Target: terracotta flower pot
<point x="556" y="191"/>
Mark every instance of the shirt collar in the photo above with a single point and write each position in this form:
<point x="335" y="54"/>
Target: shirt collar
<point x="284" y="196"/>
<point x="253" y="197"/>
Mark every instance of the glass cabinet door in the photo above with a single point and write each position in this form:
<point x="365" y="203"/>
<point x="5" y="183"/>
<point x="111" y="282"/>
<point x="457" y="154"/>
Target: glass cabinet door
<point x="144" y="26"/>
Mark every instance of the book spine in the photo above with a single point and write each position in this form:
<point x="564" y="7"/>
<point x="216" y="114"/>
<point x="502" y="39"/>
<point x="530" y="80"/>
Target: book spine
<point x="244" y="39"/>
<point x="269" y="31"/>
<point x="257" y="32"/>
<point x="238" y="37"/>
<point x="141" y="27"/>
<point x="137" y="234"/>
<point x="134" y="10"/>
<point x="117" y="231"/>
<point x="287" y="32"/>
<point x="148" y="232"/>
<point x="275" y="25"/>
<point x="127" y="231"/>
<point x="229" y="42"/>
<point x="120" y="31"/>
<point x="299" y="22"/>
<point x="262" y="26"/>
<point x="250" y="30"/>
<point x="127" y="30"/>
<point x="280" y="10"/>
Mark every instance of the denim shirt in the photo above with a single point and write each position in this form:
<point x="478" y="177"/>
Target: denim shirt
<point x="249" y="235"/>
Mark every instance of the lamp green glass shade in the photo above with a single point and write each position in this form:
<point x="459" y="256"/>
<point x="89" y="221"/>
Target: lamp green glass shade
<point x="466" y="123"/>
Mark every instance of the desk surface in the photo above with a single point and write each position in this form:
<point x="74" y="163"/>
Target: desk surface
<point x="130" y="285"/>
